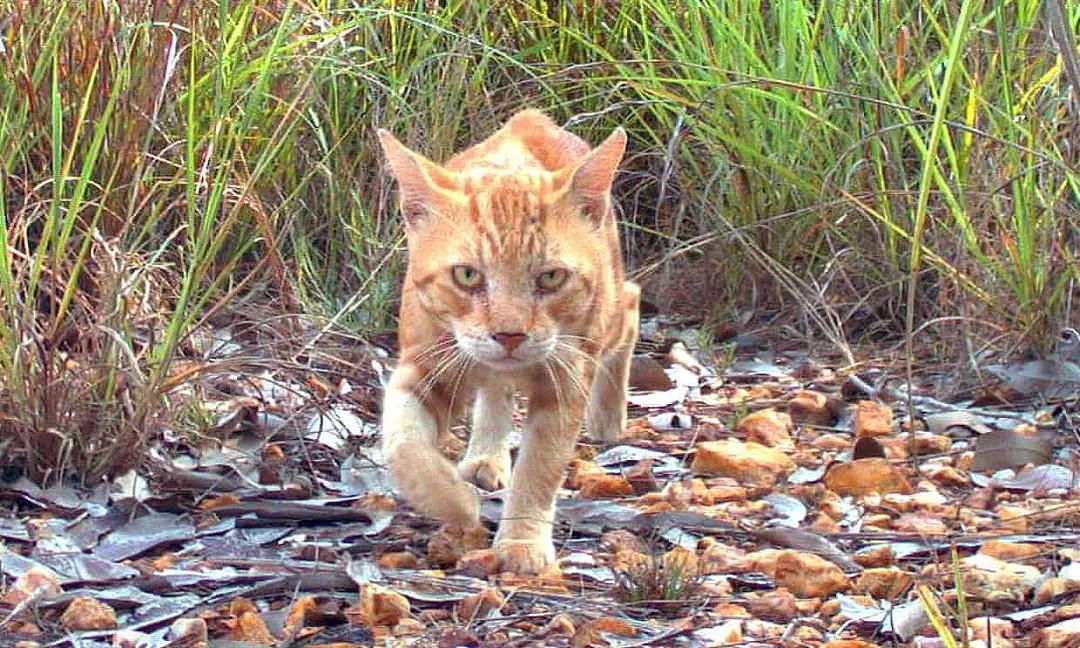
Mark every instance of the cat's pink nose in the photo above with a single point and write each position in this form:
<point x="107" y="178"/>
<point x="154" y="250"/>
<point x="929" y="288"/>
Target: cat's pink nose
<point x="509" y="341"/>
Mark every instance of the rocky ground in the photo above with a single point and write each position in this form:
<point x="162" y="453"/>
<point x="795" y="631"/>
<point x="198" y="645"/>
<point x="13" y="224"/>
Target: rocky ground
<point x="761" y="495"/>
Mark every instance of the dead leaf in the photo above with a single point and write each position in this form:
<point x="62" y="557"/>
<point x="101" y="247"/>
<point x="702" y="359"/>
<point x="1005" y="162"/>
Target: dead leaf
<point x="956" y="423"/>
<point x="647" y="375"/>
<point x="1007" y="449"/>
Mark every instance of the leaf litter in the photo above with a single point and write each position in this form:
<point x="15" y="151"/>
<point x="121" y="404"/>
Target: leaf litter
<point x="765" y="501"/>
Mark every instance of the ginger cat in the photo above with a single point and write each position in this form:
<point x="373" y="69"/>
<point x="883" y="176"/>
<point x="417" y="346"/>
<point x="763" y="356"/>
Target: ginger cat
<point x="515" y="281"/>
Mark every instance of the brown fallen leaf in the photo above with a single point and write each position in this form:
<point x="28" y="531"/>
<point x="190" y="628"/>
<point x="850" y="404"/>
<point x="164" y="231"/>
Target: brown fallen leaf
<point x="646" y="374"/>
<point x="1007" y="449"/>
<point x="865" y="476"/>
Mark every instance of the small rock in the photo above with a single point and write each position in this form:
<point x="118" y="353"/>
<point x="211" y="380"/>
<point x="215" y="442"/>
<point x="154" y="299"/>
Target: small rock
<point x="833" y="442"/>
<point x="378" y="606"/>
<point x="1009" y="551"/>
<point x="778" y="606"/>
<point x="886" y="583"/>
<point x="477" y="606"/>
<point x="948" y="476"/>
<point x="720" y="558"/>
<point x="641" y="478"/>
<point x="604" y="486"/>
<point x="184" y="632"/>
<point x="767" y="427"/>
<point x="810" y="408"/>
<point x="865" y="476"/>
<point x="922" y="522"/>
<point x="36" y="581"/>
<point x="579" y="470"/>
<point x="804" y="574"/>
<point x="398" y="560"/>
<point x="451" y="542"/>
<point x="872" y="419"/>
<point x="87" y="613"/>
<point x="478" y="563"/>
<point x="618" y="540"/>
<point x="1013" y="518"/>
<point x="747" y="462"/>
<point x="1065" y="634"/>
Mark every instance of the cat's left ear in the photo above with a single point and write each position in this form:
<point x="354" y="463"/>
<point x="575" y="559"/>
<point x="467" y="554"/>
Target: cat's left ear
<point x="590" y="182"/>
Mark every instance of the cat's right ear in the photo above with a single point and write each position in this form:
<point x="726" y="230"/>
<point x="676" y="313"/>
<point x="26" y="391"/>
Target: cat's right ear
<point x="420" y="181"/>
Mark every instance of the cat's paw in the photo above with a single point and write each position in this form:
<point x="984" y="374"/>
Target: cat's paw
<point x="524" y="556"/>
<point x="490" y="473"/>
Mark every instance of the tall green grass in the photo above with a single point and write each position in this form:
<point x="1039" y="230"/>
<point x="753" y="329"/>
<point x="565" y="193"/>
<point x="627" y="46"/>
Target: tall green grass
<point x="870" y="166"/>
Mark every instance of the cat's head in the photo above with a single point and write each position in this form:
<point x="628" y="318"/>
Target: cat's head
<point x="511" y="259"/>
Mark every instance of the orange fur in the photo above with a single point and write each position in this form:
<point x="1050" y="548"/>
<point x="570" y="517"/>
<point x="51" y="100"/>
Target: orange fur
<point x="514" y="281"/>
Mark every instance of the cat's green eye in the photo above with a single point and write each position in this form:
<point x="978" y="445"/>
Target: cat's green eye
<point x="550" y="280"/>
<point x="467" y="277"/>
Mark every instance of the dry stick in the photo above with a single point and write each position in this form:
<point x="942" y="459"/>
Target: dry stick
<point x="1063" y="37"/>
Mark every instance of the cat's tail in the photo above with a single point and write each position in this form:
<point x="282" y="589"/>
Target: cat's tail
<point x="425" y="477"/>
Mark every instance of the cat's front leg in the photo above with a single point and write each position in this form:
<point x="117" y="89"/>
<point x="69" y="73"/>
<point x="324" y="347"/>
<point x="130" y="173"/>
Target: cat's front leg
<point x="487" y="460"/>
<point x="410" y="429"/>
<point x="523" y="543"/>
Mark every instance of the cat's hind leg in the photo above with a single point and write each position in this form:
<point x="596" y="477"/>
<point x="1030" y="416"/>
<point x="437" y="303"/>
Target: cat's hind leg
<point x="606" y="416"/>
<point x="487" y="458"/>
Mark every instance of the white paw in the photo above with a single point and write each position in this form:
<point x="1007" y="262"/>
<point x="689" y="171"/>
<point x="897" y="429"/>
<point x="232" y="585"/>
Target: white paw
<point x="490" y="473"/>
<point x="524" y="556"/>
